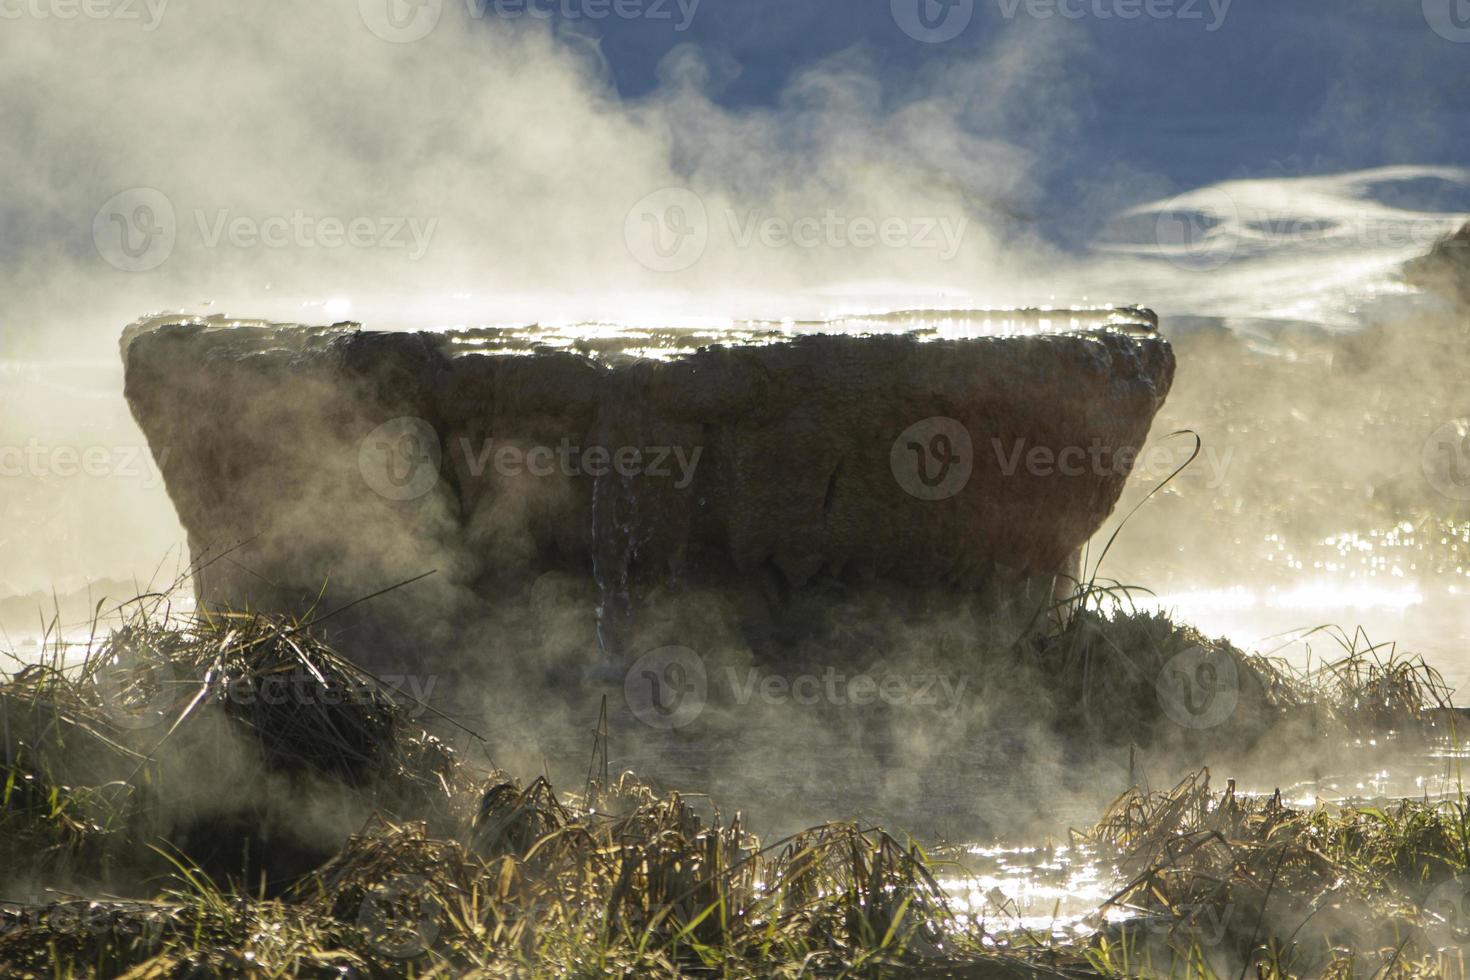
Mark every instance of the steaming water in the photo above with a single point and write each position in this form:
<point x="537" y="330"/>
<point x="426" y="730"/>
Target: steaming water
<point x="1056" y="887"/>
<point x="1294" y="266"/>
<point x="1312" y="251"/>
<point x="1317" y="250"/>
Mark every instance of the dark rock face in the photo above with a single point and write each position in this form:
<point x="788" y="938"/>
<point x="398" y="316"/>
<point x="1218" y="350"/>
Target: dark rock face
<point x="1446" y="269"/>
<point x="595" y="495"/>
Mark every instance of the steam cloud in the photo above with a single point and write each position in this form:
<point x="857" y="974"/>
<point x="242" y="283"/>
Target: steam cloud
<point x="295" y="165"/>
<point x="302" y="167"/>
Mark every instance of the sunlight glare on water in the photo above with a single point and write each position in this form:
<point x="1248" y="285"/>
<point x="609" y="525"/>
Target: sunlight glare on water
<point x="1049" y="890"/>
<point x="1395" y="584"/>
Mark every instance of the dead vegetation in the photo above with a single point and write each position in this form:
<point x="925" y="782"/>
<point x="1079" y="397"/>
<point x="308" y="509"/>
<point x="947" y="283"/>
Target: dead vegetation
<point x="1117" y="676"/>
<point x="450" y="870"/>
<point x="1218" y="882"/>
<point x="184" y="794"/>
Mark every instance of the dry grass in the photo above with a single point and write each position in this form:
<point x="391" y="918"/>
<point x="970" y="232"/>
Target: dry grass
<point x="456" y="871"/>
<point x="1105" y="674"/>
<point x="447" y="871"/>
<point x="103" y="757"/>
<point x="1220" y="881"/>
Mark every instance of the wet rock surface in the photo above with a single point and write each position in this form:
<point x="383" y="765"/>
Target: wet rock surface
<point x="579" y="499"/>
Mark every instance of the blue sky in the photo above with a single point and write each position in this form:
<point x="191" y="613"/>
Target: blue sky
<point x="1276" y="85"/>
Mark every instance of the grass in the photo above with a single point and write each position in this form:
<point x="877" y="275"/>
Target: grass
<point x="216" y="828"/>
<point x="1110" y="669"/>
<point x="1225" y="882"/>
<point x="633" y="885"/>
<point x="125" y="748"/>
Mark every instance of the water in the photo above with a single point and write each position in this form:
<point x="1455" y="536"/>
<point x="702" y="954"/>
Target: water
<point x="1294" y="268"/>
<point x="1057" y="887"/>
<point x="1399" y="589"/>
<point x="1052" y="890"/>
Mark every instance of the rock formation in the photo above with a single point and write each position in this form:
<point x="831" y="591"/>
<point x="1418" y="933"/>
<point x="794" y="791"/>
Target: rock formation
<point x="582" y="494"/>
<point x="1446" y="268"/>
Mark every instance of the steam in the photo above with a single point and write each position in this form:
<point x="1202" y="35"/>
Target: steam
<point x="485" y="171"/>
<point x="288" y="161"/>
<point x="285" y="161"/>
